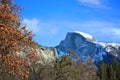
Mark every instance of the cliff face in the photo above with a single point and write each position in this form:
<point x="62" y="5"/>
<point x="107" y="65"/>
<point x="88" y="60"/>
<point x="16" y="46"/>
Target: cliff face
<point x="87" y="46"/>
<point x="46" y="54"/>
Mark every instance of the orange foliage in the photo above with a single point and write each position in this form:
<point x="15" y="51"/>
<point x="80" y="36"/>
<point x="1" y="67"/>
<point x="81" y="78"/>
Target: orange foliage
<point x="14" y="64"/>
<point x="13" y="38"/>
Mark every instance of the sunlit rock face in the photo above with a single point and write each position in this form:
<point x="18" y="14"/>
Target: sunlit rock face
<point x="87" y="46"/>
<point x="46" y="54"/>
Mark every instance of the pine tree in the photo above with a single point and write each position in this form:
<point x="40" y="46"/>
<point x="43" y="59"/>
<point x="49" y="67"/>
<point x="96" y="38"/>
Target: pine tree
<point x="109" y="71"/>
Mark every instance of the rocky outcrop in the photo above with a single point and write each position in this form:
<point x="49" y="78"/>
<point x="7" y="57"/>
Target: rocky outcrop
<point x="46" y="54"/>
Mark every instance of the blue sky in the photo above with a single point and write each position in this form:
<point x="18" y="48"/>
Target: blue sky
<point x="50" y="20"/>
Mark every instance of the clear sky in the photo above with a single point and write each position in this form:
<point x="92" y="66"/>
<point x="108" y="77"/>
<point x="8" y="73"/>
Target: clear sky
<point x="50" y="20"/>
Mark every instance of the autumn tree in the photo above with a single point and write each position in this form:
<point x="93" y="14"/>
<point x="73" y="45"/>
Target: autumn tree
<point x="16" y="45"/>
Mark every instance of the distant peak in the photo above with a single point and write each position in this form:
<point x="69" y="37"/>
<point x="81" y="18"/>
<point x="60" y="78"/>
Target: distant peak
<point x="87" y="36"/>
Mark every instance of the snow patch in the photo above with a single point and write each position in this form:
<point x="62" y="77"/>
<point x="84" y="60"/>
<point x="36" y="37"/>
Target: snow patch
<point x="87" y="36"/>
<point x="84" y="34"/>
<point x="104" y="44"/>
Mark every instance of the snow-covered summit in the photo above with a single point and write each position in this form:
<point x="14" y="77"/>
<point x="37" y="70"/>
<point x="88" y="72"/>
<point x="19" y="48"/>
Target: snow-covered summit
<point x="84" y="34"/>
<point x="87" y="36"/>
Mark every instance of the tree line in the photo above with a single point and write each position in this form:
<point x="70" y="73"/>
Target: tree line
<point x="109" y="71"/>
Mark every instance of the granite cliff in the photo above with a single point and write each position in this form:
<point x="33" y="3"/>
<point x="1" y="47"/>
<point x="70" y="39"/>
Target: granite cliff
<point x="87" y="46"/>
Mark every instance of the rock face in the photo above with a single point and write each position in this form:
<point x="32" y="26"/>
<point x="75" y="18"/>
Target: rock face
<point x="87" y="46"/>
<point x="46" y="54"/>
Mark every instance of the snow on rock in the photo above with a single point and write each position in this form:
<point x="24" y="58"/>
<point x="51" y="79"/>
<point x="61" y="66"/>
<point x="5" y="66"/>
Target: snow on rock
<point x="111" y="48"/>
<point x="87" y="36"/>
<point x="104" y="44"/>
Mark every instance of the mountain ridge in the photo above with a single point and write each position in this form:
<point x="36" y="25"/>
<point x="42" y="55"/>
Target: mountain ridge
<point x="86" y="46"/>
